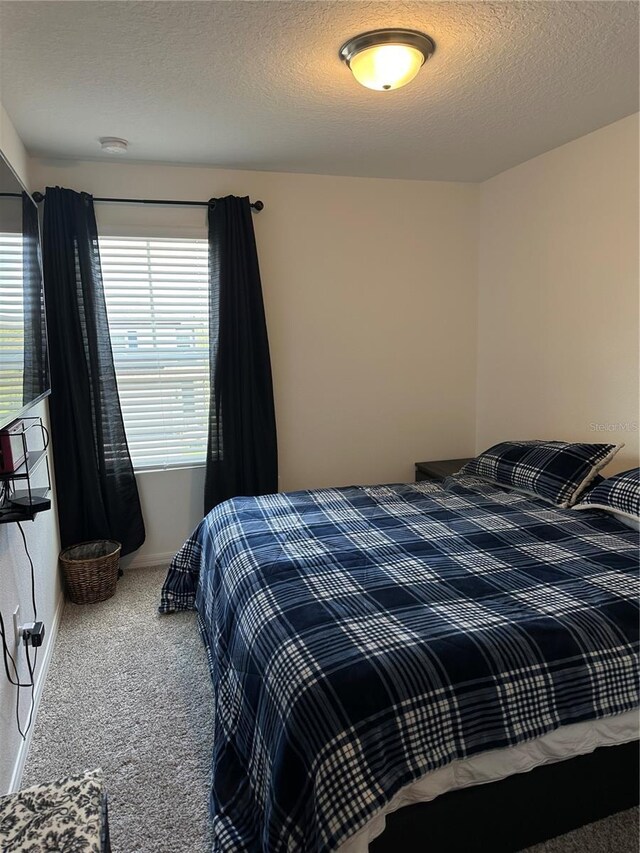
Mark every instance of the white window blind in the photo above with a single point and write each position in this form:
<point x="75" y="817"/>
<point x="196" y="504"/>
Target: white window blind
<point x="156" y="292"/>
<point x="11" y="323"/>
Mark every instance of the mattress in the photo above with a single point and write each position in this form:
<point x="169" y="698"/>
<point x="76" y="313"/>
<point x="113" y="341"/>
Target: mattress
<point x="562" y="744"/>
<point x="362" y="639"/>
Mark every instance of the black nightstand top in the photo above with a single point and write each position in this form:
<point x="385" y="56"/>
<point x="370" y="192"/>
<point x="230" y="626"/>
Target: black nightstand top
<point x="439" y="469"/>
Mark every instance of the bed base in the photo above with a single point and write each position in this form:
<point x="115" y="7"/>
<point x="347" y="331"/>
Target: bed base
<point x="524" y="809"/>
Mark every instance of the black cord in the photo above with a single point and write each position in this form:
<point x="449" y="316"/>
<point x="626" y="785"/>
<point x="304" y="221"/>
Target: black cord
<point x="33" y="578"/>
<point x="17" y="684"/>
<point x="22" y="734"/>
<point x="6" y="653"/>
<point x="33" y="688"/>
<point x="45" y="436"/>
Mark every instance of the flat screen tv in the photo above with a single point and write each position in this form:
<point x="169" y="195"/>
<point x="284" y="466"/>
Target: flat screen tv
<point x="24" y="371"/>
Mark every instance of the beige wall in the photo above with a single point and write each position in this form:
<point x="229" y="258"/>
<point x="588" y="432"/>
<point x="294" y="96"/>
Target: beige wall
<point x="371" y="287"/>
<point x="370" y="293"/>
<point x="371" y="290"/>
<point x="558" y="296"/>
<point x="12" y="147"/>
<point x="15" y="582"/>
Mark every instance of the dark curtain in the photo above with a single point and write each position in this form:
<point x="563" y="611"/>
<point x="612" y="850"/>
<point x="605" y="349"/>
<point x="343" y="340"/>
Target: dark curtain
<point x="242" y="456"/>
<point x="95" y="483"/>
<point x="35" y="379"/>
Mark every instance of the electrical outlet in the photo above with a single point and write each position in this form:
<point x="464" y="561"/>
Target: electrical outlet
<point x="17" y="632"/>
<point x="33" y="634"/>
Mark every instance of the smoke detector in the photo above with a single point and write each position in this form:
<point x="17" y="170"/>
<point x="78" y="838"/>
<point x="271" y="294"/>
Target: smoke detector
<point x="113" y="144"/>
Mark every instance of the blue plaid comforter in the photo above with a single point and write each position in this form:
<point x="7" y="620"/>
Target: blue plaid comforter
<point x="361" y="637"/>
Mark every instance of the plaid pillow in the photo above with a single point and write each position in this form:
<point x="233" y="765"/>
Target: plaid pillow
<point x="595" y="482"/>
<point x="557" y="471"/>
<point x="619" y="494"/>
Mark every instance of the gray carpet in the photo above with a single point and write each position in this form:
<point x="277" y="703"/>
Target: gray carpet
<point x="129" y="691"/>
<point x="615" y="834"/>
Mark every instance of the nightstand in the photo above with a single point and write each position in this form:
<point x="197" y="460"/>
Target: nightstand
<point x="439" y="469"/>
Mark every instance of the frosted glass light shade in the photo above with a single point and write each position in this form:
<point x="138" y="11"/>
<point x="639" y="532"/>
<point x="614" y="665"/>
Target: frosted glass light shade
<point x="386" y="59"/>
<point x="386" y="66"/>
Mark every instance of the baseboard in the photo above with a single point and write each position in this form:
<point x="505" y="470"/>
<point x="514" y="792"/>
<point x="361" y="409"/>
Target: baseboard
<point x="23" y="751"/>
<point x="143" y="560"/>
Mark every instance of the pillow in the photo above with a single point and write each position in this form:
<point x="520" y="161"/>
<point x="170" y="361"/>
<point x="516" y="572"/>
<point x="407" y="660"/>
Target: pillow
<point x="619" y="495"/>
<point x="557" y="471"/>
<point x="631" y="523"/>
<point x="595" y="482"/>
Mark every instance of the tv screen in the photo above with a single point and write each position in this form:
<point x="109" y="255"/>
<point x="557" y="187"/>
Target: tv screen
<point x="24" y="371"/>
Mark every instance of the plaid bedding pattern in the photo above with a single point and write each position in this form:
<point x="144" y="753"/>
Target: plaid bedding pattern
<point x="557" y="471"/>
<point x="360" y="637"/>
<point x="616" y="494"/>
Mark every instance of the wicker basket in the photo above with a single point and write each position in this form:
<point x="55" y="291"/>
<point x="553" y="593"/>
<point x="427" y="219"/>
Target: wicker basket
<point x="90" y="570"/>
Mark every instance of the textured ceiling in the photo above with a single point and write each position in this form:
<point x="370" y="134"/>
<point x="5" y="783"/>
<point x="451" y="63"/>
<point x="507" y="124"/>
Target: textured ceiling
<point x="258" y="85"/>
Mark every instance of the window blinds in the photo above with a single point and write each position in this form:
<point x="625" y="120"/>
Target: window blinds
<point x="11" y="322"/>
<point x="156" y="292"/>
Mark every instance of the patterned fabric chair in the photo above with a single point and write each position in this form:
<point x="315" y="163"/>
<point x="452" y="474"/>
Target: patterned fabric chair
<point x="68" y="816"/>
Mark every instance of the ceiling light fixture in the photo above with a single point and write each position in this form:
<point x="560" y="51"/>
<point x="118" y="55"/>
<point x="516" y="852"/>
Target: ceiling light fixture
<point x="386" y="59"/>
<point x="113" y="144"/>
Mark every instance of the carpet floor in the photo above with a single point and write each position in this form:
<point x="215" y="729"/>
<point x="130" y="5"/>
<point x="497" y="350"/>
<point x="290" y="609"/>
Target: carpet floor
<point x="129" y="691"/>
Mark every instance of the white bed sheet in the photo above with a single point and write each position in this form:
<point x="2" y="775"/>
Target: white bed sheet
<point x="563" y="743"/>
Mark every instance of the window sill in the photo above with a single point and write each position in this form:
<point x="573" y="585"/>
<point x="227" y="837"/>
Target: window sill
<point x="179" y="466"/>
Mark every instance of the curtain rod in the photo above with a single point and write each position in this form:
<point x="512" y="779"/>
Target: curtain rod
<point x="256" y="205"/>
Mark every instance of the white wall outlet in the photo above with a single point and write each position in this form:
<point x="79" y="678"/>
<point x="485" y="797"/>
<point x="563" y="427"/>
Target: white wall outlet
<point x="17" y="632"/>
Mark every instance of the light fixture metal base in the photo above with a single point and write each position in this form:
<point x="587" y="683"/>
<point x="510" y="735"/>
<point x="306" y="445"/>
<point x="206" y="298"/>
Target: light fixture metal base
<point x="373" y="38"/>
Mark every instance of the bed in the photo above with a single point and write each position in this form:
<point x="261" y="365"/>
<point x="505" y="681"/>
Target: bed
<point x="366" y="641"/>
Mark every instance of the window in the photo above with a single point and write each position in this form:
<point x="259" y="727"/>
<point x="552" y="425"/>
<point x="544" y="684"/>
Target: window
<point x="11" y="322"/>
<point x="156" y="292"/>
